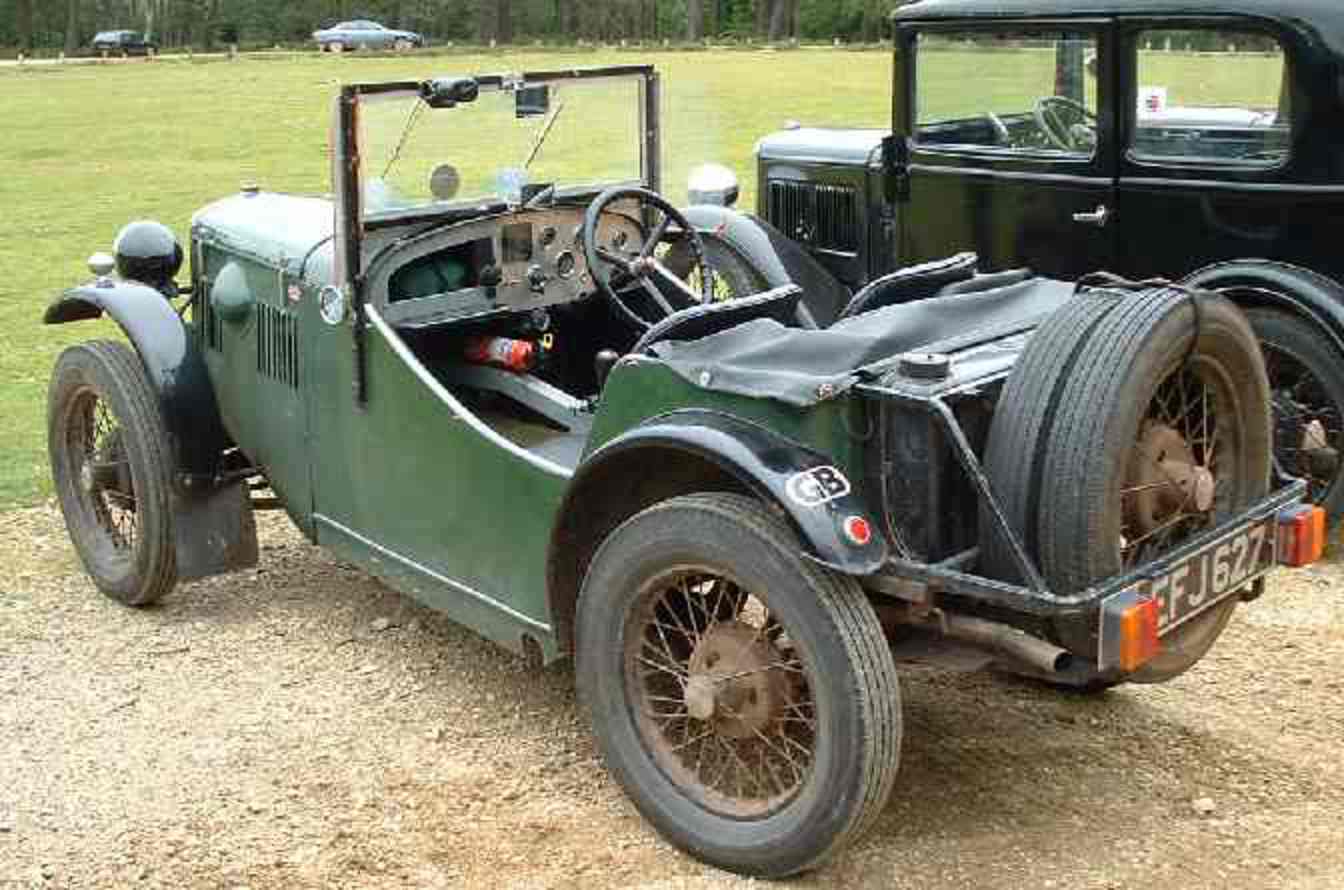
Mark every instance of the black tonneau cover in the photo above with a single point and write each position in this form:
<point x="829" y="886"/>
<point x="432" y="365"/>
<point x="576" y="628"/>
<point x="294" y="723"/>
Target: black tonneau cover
<point x="764" y="359"/>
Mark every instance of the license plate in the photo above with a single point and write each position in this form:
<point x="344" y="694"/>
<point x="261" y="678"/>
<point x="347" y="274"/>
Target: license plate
<point x="1210" y="576"/>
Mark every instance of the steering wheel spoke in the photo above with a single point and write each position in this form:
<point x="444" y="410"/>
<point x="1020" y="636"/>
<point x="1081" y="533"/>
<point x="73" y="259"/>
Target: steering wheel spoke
<point x="615" y="276"/>
<point x="655" y="238"/>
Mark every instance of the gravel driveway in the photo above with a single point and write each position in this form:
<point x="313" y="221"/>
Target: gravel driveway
<point x="302" y="726"/>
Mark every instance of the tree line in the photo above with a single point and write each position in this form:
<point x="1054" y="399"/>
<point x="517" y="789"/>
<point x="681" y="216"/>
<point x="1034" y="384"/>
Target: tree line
<point x="70" y="24"/>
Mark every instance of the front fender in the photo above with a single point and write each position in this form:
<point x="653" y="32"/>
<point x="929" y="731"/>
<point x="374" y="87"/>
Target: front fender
<point x="172" y="360"/>
<point x="778" y="259"/>
<point x="813" y="494"/>
<point x="1271" y="283"/>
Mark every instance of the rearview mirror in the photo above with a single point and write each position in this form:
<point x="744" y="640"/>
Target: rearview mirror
<point x="448" y="92"/>
<point x="532" y="101"/>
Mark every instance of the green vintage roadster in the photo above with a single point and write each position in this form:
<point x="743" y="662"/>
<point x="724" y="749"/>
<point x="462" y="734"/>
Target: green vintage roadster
<point x="497" y="370"/>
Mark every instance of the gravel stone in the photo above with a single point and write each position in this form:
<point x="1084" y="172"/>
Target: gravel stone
<point x="435" y="759"/>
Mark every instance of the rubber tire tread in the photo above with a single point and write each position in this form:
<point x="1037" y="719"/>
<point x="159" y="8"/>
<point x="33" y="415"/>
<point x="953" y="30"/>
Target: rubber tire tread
<point x="126" y="376"/>
<point x="1322" y="359"/>
<point x="1071" y="482"/>
<point x="1021" y="425"/>
<point x="860" y="633"/>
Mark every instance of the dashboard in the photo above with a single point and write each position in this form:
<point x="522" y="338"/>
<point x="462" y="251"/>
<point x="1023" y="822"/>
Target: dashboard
<point x="518" y="261"/>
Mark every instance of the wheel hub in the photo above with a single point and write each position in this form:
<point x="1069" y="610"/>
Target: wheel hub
<point x="733" y="683"/>
<point x="1166" y="479"/>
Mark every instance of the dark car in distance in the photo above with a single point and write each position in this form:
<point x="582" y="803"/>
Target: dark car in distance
<point x="123" y="43"/>
<point x="1200" y="140"/>
<point x="364" y="34"/>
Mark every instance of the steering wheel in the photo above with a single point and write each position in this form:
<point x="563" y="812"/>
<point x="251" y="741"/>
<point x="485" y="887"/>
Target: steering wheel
<point x="1052" y="116"/>
<point x="619" y="269"/>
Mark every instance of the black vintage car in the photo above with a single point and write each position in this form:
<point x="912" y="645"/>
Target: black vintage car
<point x="1173" y="138"/>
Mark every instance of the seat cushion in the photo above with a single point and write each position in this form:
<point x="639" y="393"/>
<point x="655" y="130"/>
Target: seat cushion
<point x="911" y="283"/>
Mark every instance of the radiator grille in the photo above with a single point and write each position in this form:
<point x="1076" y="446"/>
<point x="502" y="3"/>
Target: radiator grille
<point x="277" y="344"/>
<point x="825" y="217"/>
<point x="205" y="316"/>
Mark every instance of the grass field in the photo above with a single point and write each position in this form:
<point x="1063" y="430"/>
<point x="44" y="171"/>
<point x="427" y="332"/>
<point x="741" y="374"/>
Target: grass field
<point x="84" y="149"/>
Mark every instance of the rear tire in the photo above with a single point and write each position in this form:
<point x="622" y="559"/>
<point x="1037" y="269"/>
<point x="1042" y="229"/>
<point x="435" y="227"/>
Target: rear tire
<point x="816" y="709"/>
<point x="112" y="469"/>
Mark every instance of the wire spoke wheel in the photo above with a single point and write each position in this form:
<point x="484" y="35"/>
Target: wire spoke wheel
<point x="105" y="487"/>
<point x="724" y="701"/>
<point x="1308" y="422"/>
<point x="744" y="697"/>
<point x="111" y="466"/>
<point x="1177" y="484"/>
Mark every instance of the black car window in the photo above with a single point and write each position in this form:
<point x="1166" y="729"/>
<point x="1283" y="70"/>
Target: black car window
<point x="1210" y="96"/>
<point x="1014" y="92"/>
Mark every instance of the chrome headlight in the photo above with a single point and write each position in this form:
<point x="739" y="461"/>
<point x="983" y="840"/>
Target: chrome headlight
<point x="713" y="184"/>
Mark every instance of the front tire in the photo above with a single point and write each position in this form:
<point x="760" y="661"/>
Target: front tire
<point x="112" y="470"/>
<point x="744" y="697"/>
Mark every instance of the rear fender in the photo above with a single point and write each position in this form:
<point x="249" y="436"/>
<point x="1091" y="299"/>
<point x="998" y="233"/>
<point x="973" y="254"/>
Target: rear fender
<point x="1268" y="283"/>
<point x="172" y="360"/>
<point x="803" y="484"/>
<point x="777" y="258"/>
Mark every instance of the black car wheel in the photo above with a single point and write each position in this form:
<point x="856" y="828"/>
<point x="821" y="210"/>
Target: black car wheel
<point x="744" y="697"/>
<point x="111" y="466"/>
<point x="1306" y="381"/>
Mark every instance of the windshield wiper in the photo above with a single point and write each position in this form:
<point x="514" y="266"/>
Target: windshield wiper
<point x="545" y="132"/>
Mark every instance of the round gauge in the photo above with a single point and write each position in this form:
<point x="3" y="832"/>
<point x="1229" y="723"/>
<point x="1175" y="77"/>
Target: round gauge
<point x="548" y="236"/>
<point x="620" y="239"/>
<point x="565" y="264"/>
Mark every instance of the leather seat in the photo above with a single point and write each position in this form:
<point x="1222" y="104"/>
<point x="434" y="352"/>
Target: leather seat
<point x="703" y="319"/>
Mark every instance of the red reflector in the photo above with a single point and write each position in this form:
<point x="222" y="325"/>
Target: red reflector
<point x="1139" y="642"/>
<point x="858" y="531"/>
<point x="1301" y="535"/>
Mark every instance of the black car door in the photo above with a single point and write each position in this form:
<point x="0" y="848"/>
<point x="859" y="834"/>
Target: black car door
<point x="1213" y="165"/>
<point x="1010" y="153"/>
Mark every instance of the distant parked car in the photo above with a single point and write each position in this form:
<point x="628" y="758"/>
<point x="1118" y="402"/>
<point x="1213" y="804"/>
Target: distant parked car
<point x="124" y="43"/>
<point x="365" y="35"/>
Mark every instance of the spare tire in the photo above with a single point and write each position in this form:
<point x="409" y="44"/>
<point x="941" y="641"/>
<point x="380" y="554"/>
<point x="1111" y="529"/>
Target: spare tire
<point x="1155" y="435"/>
<point x="1022" y="419"/>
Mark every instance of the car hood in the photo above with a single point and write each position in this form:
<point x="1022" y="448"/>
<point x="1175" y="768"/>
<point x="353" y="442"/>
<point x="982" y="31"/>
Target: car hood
<point x="289" y="232"/>
<point x="823" y="144"/>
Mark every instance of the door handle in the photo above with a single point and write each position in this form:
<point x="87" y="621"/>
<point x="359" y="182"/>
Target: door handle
<point x="1098" y="217"/>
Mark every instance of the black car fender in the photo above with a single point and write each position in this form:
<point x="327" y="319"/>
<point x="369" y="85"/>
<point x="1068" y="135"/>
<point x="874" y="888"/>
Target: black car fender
<point x="1303" y="292"/>
<point x="695" y="450"/>
<point x="172" y="360"/>
<point x="777" y="258"/>
<point x="805" y="485"/>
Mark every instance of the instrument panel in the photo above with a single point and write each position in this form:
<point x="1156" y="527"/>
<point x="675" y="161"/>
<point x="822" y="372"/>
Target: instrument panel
<point x="518" y="261"/>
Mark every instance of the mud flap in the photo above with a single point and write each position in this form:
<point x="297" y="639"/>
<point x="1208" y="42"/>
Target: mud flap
<point x="214" y="532"/>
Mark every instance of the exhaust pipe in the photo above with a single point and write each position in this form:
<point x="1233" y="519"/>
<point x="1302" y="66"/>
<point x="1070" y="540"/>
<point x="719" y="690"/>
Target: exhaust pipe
<point x="1007" y="641"/>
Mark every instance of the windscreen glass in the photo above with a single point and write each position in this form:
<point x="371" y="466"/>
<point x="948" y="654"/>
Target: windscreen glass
<point x="509" y="140"/>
